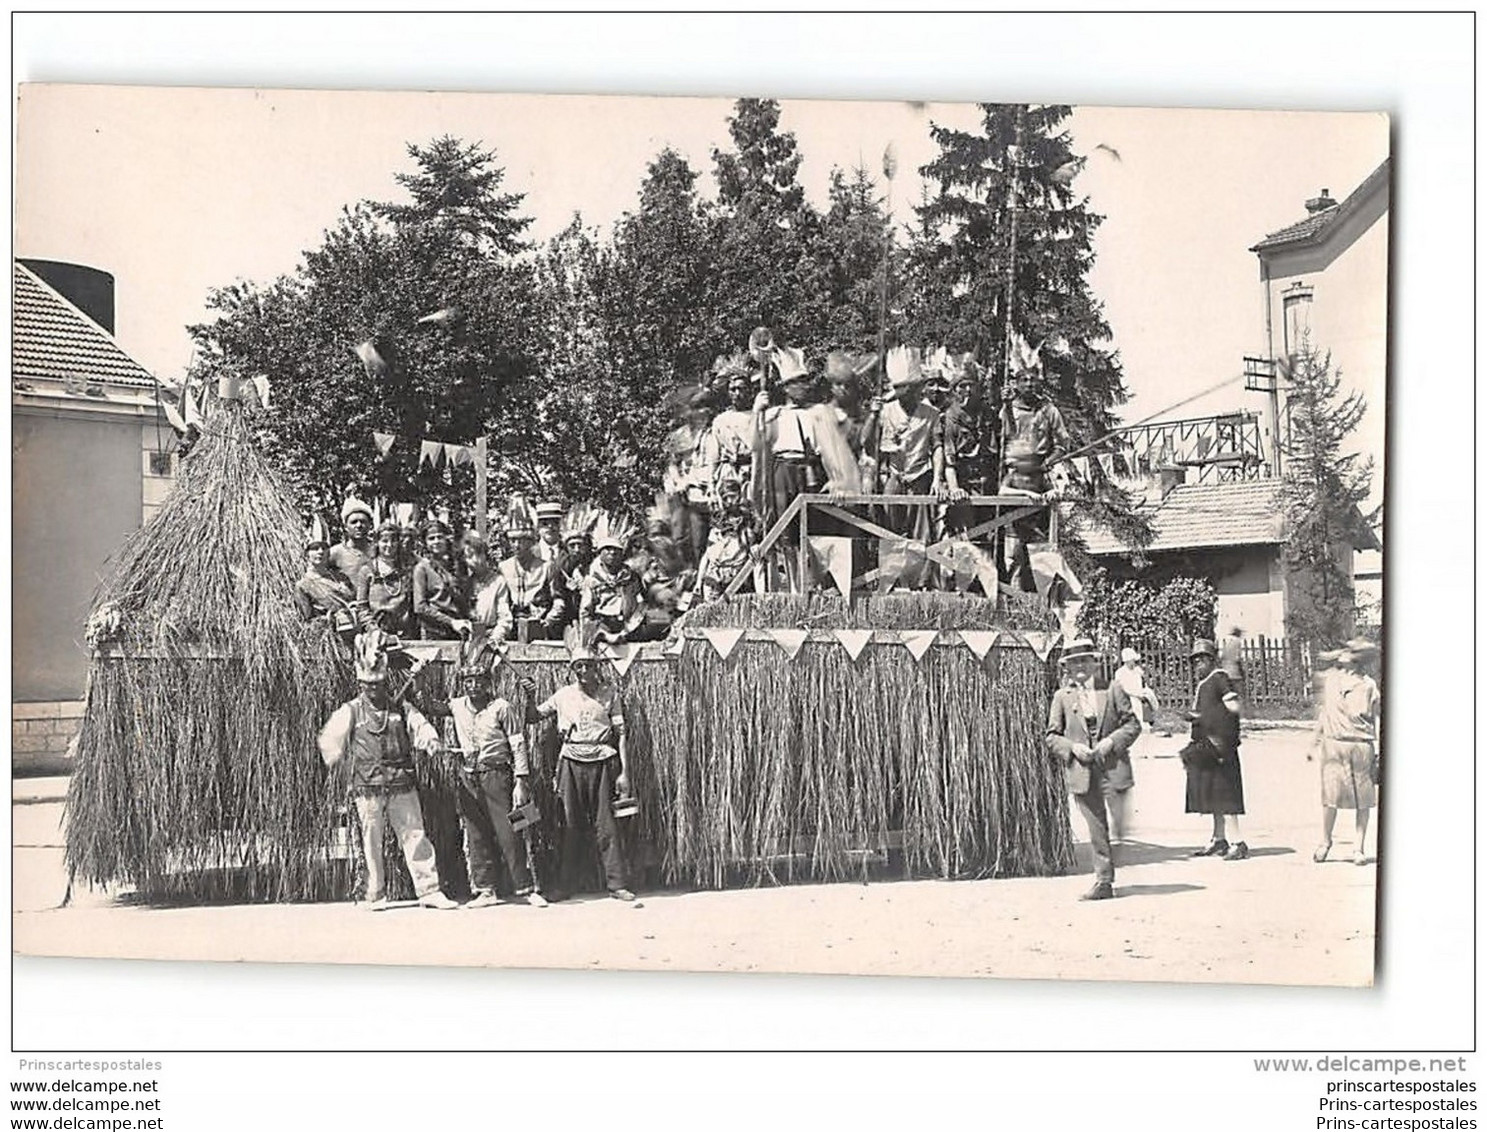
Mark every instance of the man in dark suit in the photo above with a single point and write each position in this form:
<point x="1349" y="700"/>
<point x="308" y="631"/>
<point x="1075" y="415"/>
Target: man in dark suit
<point x="1091" y="733"/>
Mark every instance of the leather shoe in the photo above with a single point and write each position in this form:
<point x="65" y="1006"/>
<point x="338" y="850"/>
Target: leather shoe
<point x="1101" y="891"/>
<point x="1215" y="848"/>
<point x="1237" y="852"/>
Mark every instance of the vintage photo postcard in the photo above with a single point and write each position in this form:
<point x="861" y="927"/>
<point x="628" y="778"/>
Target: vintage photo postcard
<point x="679" y="534"/>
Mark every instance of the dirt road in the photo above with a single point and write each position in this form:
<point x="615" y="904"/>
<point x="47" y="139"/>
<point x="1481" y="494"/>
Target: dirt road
<point x="1276" y="918"/>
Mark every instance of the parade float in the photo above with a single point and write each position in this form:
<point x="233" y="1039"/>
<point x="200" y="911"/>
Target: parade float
<point x="774" y="737"/>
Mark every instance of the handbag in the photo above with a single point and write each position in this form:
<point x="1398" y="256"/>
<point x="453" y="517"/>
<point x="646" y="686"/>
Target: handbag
<point x="1200" y="754"/>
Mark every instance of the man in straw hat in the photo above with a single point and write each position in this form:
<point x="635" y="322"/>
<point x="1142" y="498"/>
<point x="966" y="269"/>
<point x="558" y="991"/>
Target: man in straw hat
<point x="353" y="553"/>
<point x="378" y="735"/>
<point x="493" y="781"/>
<point x="1090" y="733"/>
<point x="593" y="769"/>
<point x="1215" y="781"/>
<point x="549" y="531"/>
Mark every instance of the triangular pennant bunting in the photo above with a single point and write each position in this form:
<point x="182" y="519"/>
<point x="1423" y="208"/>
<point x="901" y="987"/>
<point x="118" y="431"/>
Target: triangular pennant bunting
<point x="1042" y="643"/>
<point x="987" y="575"/>
<point x="835" y="556"/>
<point x="431" y="452"/>
<point x="853" y="640"/>
<point x="724" y="641"/>
<point x="383" y="441"/>
<point x="791" y="640"/>
<point x="458" y="455"/>
<point x="423" y="653"/>
<point x="979" y="641"/>
<point x="918" y="641"/>
<point x="623" y="656"/>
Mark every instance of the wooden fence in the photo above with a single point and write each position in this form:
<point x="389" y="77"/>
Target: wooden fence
<point x="1277" y="672"/>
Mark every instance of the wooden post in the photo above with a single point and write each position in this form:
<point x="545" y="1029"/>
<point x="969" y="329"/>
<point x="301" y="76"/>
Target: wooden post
<point x="803" y="563"/>
<point x="482" y="505"/>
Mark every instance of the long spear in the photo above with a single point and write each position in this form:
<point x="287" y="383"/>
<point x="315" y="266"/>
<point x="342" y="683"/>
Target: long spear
<point x="890" y="167"/>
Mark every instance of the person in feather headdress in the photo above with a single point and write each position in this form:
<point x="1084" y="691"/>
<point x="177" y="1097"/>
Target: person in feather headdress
<point x="693" y="456"/>
<point x="529" y="577"/>
<point x="572" y="566"/>
<point x="610" y="608"/>
<point x="375" y="735"/>
<point x="733" y="428"/>
<point x="909" y="435"/>
<point x="733" y="536"/>
<point x="1033" y="435"/>
<point x="969" y="429"/>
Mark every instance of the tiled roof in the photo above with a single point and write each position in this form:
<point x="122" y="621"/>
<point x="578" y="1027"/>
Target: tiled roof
<point x="1301" y="230"/>
<point x="54" y="341"/>
<point x="1315" y="225"/>
<point x="1242" y="513"/>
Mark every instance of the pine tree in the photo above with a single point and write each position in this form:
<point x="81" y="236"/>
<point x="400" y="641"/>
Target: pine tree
<point x="1326" y="492"/>
<point x="456" y="192"/>
<point x="1010" y="183"/>
<point x="854" y="242"/>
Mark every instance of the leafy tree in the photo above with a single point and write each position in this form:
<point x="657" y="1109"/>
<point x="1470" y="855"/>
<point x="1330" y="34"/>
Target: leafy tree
<point x="378" y="272"/>
<point x="1326" y="492"/>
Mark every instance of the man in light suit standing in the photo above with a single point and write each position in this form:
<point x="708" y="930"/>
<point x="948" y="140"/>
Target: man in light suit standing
<point x="1090" y="733"/>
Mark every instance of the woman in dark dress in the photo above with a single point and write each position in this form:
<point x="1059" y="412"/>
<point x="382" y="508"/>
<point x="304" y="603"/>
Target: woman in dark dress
<point x="384" y="590"/>
<point x="1215" y="782"/>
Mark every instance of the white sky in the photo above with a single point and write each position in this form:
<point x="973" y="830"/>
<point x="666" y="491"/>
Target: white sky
<point x="177" y="190"/>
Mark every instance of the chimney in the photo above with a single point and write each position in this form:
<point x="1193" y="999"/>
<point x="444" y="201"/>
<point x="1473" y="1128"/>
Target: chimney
<point x="1170" y="477"/>
<point x="1320" y="203"/>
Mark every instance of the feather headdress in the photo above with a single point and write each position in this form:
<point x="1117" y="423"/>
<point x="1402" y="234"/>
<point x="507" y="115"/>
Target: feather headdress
<point x="520" y="519"/>
<point x="580" y="520"/>
<point x="1023" y="358"/>
<point x="613" y="530"/>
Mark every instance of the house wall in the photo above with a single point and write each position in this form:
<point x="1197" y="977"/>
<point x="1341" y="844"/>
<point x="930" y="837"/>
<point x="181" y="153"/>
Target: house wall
<point x="76" y="496"/>
<point x="1349" y="318"/>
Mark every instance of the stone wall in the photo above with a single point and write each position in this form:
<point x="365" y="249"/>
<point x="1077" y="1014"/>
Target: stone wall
<point x="40" y="734"/>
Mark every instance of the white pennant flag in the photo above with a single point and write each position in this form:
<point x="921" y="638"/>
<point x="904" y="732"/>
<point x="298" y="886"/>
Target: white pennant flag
<point x="261" y="384"/>
<point x="979" y="641"/>
<point x="623" y="656"/>
<point x="1042" y="643"/>
<point x="432" y="452"/>
<point x="422" y="653"/>
<point x="986" y="574"/>
<point x="853" y="640"/>
<point x="835" y="555"/>
<point x="790" y="640"/>
<point x="724" y="641"/>
<point x="918" y="641"/>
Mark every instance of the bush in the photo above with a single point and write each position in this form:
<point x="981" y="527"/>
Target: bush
<point x="1117" y="613"/>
